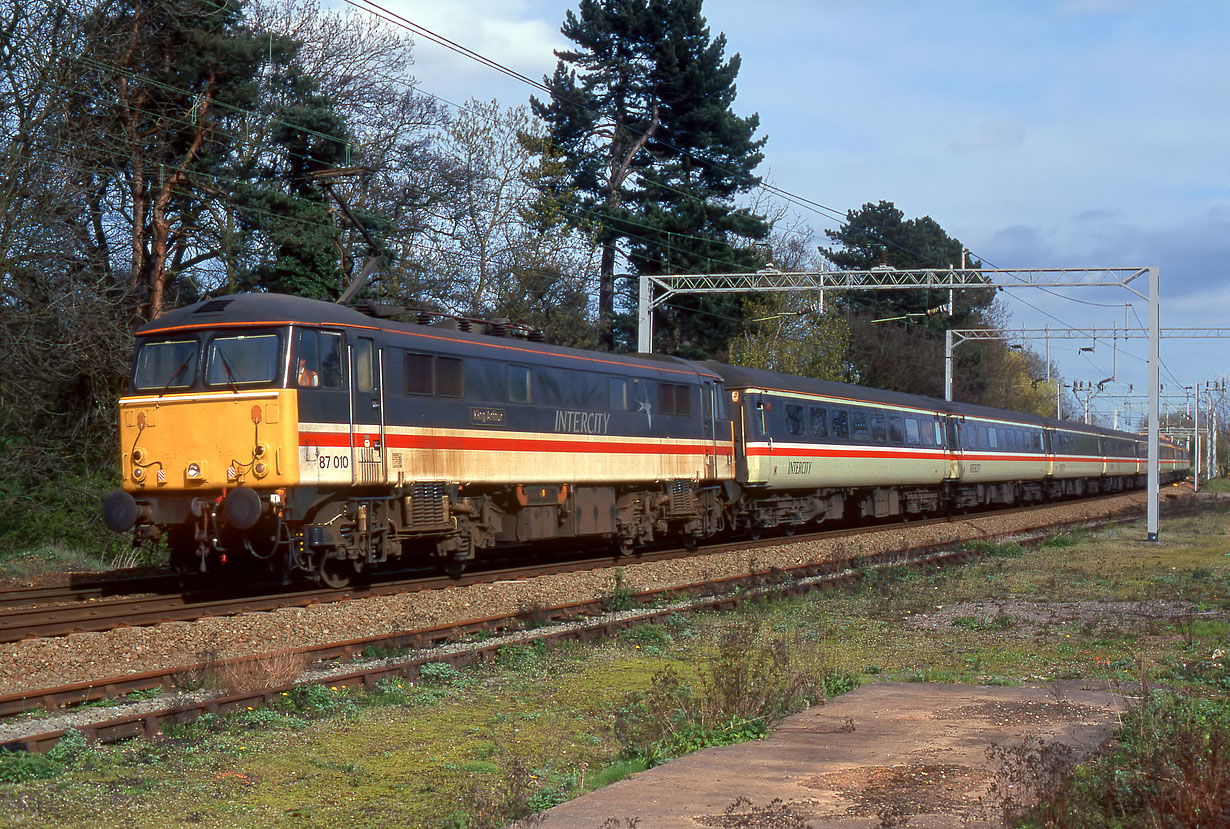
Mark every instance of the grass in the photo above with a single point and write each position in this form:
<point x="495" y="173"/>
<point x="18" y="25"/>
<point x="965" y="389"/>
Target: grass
<point x="484" y="745"/>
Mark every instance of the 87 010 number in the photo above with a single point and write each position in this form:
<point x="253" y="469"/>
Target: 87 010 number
<point x="334" y="461"/>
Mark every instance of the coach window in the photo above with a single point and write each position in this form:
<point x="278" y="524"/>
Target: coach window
<point x="911" y="432"/>
<point x="858" y="425"/>
<point x="1003" y="438"/>
<point x="683" y="400"/>
<point x="879" y="433"/>
<point x="419" y="373"/>
<point x="449" y="377"/>
<point x="896" y="429"/>
<point x="762" y="423"/>
<point x="794" y="420"/>
<point x="519" y="390"/>
<point x="619" y="394"/>
<point x="841" y="424"/>
<point x="819" y="422"/>
<point x="992" y="440"/>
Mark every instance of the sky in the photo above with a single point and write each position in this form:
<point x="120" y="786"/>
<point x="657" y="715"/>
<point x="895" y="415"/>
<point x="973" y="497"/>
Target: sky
<point x="1041" y="133"/>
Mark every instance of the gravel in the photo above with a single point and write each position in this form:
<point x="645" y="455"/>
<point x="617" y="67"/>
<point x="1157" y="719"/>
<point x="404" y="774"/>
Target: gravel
<point x="91" y="657"/>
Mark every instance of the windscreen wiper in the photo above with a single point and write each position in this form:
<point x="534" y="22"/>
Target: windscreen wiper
<point x="230" y="375"/>
<point x="182" y="368"/>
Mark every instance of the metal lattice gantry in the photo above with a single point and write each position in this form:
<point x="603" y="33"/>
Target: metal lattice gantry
<point x="656" y="290"/>
<point x="955" y="336"/>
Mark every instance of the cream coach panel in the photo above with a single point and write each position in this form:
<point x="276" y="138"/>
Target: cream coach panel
<point x="803" y="466"/>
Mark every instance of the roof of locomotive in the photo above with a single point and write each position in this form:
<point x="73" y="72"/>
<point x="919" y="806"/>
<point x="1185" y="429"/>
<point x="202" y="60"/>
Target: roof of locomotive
<point x="281" y="309"/>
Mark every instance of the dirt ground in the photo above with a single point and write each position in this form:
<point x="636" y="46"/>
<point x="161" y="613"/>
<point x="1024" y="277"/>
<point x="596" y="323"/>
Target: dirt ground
<point x="887" y="754"/>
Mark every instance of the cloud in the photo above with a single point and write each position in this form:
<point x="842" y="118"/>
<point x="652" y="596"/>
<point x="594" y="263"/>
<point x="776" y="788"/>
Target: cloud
<point x="511" y="33"/>
<point x="989" y="134"/>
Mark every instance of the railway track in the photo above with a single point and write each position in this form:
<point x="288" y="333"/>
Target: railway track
<point x="448" y="644"/>
<point x="39" y="612"/>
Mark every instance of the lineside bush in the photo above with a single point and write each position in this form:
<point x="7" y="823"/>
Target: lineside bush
<point x="742" y="686"/>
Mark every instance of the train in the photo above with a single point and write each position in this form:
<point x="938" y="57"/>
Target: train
<point x="328" y="441"/>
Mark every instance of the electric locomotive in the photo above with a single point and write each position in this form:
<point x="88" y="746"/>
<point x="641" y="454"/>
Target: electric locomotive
<point x="325" y="441"/>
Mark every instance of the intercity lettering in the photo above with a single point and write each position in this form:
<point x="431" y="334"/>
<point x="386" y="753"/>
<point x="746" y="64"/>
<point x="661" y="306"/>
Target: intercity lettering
<point x="583" y="423"/>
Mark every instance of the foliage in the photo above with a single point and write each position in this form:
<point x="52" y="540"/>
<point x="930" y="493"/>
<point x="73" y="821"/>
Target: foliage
<point x="503" y="249"/>
<point x="996" y="549"/>
<point x="640" y="110"/>
<point x="619" y="597"/>
<point x="1169" y="766"/>
<point x="441" y="673"/>
<point x="896" y="337"/>
<point x="20" y="766"/>
<point x="787" y="334"/>
<point x="744" y="685"/>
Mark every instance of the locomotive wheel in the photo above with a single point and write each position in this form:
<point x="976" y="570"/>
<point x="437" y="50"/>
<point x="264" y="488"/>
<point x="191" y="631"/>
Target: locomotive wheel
<point x="335" y="572"/>
<point x="453" y="568"/>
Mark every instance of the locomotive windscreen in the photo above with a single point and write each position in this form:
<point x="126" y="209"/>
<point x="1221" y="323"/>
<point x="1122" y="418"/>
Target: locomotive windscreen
<point x="166" y="365"/>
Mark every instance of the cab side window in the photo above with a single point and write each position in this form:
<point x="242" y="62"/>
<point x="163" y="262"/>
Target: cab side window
<point x="320" y="359"/>
<point x="365" y="365"/>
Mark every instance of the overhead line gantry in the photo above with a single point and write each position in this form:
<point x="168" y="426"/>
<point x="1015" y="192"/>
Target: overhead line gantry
<point x="656" y="289"/>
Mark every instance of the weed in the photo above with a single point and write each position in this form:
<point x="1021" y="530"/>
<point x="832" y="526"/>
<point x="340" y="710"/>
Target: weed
<point x="263" y="718"/>
<point x="193" y="730"/>
<point x="619" y="597"/>
<point x="21" y="766"/>
<point x="142" y="694"/>
<point x="441" y="673"/>
<point x="262" y="673"/>
<point x="521" y="657"/>
<point x="316" y="701"/>
<point x="1024" y="775"/>
<point x="1065" y="539"/>
<point x="1169" y="766"/>
<point x="742" y="686"/>
<point x="836" y="682"/>
<point x="205" y="676"/>
<point x="654" y="635"/>
<point x="996" y="549"/>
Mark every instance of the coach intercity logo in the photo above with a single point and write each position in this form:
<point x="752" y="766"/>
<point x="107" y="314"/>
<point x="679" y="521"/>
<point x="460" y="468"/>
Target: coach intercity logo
<point x="583" y="423"/>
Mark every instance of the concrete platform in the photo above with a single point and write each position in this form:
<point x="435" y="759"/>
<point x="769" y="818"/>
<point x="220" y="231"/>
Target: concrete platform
<point x="888" y="754"/>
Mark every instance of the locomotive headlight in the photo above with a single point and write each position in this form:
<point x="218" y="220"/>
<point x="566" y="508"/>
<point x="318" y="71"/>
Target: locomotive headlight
<point x="260" y="468"/>
<point x="138" y="455"/>
<point x="194" y="470"/>
<point x="260" y="450"/>
<point x="138" y="474"/>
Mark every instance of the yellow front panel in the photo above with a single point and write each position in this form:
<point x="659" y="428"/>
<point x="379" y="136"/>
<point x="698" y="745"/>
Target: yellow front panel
<point x="209" y="441"/>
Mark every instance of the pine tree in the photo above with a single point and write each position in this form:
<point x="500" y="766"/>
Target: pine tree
<point x="641" y="110"/>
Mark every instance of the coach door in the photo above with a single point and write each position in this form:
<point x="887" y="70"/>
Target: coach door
<point x="366" y="412"/>
<point x="708" y="397"/>
<point x="954" y="440"/>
